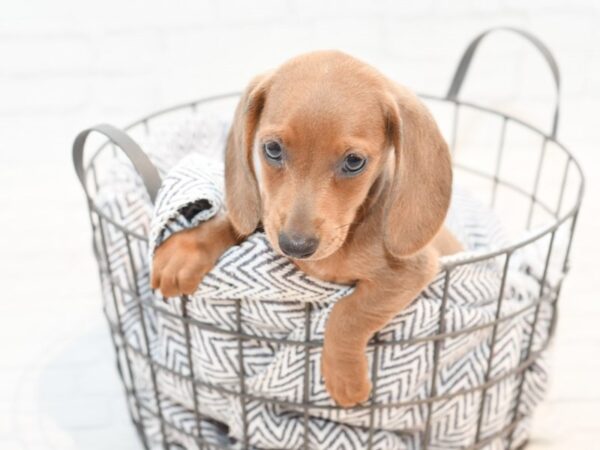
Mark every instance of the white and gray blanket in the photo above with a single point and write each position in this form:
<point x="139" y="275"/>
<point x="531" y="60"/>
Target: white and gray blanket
<point x="273" y="297"/>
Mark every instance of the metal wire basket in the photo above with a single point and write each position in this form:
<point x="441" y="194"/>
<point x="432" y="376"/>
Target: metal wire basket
<point x="546" y="182"/>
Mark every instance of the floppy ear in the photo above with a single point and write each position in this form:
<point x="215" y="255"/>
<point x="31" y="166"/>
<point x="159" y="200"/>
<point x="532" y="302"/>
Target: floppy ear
<point x="420" y="192"/>
<point x="241" y="188"/>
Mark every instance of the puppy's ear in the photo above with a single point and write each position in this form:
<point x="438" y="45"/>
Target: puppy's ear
<point x="241" y="188"/>
<point x="420" y="192"/>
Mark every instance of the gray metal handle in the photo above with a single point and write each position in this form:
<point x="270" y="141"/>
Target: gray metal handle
<point x="136" y="155"/>
<point x="465" y="62"/>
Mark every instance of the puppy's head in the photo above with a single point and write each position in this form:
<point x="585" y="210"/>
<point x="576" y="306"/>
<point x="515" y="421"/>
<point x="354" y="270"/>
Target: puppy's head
<point x="320" y="137"/>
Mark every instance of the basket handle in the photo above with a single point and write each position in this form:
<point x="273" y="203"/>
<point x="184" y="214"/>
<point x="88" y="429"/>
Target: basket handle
<point x="465" y="63"/>
<point x="136" y="155"/>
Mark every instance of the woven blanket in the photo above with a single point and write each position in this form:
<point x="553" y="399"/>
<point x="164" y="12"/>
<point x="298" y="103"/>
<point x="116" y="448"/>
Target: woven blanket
<point x="270" y="298"/>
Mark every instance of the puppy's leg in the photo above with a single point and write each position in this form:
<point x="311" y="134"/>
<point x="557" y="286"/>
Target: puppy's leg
<point x="184" y="258"/>
<point x="354" y="320"/>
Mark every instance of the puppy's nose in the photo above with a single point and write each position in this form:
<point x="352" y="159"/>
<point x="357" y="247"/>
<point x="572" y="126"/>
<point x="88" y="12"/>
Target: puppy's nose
<point x="297" y="245"/>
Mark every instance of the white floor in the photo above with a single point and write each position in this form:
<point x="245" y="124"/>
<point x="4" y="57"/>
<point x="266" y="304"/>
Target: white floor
<point x="58" y="384"/>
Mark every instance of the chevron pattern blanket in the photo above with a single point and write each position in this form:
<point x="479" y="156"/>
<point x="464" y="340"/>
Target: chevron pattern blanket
<point x="273" y="296"/>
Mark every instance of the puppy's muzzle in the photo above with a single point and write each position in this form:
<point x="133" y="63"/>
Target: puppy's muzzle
<point x="297" y="245"/>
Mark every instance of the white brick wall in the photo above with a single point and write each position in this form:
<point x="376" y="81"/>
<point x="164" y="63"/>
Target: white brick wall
<point x="113" y="59"/>
<point x="66" y="64"/>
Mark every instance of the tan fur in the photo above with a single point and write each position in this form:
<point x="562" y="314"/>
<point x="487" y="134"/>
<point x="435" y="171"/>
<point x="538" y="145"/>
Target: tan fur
<point x="380" y="229"/>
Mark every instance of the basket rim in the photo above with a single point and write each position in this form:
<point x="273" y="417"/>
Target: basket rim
<point x="459" y="259"/>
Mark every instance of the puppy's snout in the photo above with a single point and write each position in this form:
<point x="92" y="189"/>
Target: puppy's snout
<point x="297" y="245"/>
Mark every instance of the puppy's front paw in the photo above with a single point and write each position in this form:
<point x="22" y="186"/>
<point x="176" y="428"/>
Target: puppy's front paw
<point x="347" y="378"/>
<point x="180" y="264"/>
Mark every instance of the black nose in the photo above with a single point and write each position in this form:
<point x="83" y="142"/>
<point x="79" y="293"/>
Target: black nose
<point x="297" y="245"/>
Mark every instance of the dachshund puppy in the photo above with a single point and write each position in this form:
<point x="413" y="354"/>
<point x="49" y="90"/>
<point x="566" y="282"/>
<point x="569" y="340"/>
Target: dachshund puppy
<point x="351" y="179"/>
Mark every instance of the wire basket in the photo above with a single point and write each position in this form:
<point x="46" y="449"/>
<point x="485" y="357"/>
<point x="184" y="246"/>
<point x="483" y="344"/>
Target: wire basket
<point x="546" y="183"/>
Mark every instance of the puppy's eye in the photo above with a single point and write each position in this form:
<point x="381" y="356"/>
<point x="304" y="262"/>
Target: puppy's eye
<point x="273" y="151"/>
<point x="353" y="164"/>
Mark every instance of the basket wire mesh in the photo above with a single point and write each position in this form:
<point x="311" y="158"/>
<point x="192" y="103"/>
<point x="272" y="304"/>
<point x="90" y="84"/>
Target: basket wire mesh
<point x="560" y="217"/>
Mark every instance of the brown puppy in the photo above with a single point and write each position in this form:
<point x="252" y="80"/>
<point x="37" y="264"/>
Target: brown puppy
<point x="353" y="183"/>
